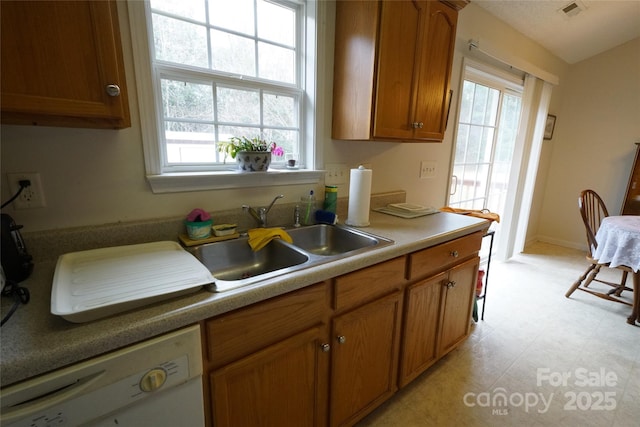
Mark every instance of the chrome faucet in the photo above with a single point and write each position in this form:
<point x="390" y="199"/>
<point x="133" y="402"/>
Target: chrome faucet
<point x="261" y="214"/>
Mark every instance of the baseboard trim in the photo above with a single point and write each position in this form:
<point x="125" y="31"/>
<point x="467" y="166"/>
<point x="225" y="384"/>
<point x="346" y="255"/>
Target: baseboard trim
<point x="559" y="242"/>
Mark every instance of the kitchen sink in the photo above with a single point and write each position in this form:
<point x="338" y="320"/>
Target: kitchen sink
<point x="234" y="264"/>
<point x="328" y="240"/>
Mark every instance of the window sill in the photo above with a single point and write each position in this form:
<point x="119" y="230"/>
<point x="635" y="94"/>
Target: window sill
<point x="197" y="181"/>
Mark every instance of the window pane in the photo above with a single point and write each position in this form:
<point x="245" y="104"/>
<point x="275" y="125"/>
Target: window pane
<point x="190" y="143"/>
<point x="468" y="182"/>
<point x="492" y="107"/>
<point x="486" y="145"/>
<point x="180" y="42"/>
<point x="236" y="15"/>
<point x="238" y="106"/>
<point x="233" y="54"/>
<point x="196" y="41"/>
<point x="192" y="9"/>
<point x="226" y="132"/>
<point x="461" y="142"/>
<point x="472" y="154"/>
<point x="276" y="63"/>
<point x="481" y="186"/>
<point x="287" y="139"/>
<point x="187" y="100"/>
<point x="485" y="105"/>
<point x="468" y="89"/>
<point x="279" y="111"/>
<point x="276" y="23"/>
<point x="479" y="107"/>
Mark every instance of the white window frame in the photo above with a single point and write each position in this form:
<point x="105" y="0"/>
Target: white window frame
<point x="163" y="181"/>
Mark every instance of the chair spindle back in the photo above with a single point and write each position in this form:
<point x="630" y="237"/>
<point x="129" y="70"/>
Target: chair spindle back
<point x="593" y="211"/>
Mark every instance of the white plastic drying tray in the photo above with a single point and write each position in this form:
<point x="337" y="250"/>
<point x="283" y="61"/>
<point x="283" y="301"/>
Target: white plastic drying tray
<point x="92" y="284"/>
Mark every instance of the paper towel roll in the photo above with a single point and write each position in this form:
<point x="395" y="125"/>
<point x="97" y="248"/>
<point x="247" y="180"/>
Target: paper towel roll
<point x="359" y="197"/>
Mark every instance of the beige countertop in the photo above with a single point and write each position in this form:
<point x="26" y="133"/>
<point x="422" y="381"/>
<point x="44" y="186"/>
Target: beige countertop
<point x="34" y="341"/>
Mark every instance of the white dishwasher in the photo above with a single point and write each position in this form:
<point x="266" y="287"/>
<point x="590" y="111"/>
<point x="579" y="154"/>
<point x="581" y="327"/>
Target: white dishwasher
<point x="156" y="383"/>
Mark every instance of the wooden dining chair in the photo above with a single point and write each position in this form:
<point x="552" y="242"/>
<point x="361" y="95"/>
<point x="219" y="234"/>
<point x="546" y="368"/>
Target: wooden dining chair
<point x="593" y="211"/>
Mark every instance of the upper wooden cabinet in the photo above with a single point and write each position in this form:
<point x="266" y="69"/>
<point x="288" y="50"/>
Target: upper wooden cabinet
<point x="62" y="64"/>
<point x="392" y="69"/>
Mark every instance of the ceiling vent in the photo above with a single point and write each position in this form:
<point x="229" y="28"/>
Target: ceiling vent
<point x="572" y="9"/>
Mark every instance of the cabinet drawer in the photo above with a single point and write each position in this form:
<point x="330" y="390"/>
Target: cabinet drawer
<point x="369" y="283"/>
<point x="246" y="330"/>
<point x="443" y="256"/>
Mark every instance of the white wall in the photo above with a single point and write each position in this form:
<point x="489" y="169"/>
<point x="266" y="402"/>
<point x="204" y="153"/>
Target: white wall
<point x="97" y="176"/>
<point x="593" y="147"/>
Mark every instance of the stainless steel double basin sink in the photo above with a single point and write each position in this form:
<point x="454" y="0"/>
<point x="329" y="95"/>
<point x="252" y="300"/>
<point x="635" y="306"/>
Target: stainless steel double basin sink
<point x="234" y="264"/>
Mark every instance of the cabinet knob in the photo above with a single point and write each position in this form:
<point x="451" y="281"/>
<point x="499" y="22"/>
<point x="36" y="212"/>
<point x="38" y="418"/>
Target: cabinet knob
<point x="325" y="347"/>
<point x="417" y="125"/>
<point x="342" y="339"/>
<point x="454" y="254"/>
<point x="112" y="90"/>
<point x="450" y="284"/>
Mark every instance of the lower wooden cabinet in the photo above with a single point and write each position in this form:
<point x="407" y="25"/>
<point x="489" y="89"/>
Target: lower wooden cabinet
<point x="437" y="317"/>
<point x="457" y="305"/>
<point x="268" y="363"/>
<point x="364" y="359"/>
<point x="281" y="385"/>
<point x="421" y="325"/>
<point x="330" y="353"/>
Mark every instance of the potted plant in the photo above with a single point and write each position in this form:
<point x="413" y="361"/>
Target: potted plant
<point x="251" y="154"/>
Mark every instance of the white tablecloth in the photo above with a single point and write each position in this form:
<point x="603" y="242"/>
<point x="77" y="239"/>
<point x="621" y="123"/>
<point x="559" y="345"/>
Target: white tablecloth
<point x="619" y="241"/>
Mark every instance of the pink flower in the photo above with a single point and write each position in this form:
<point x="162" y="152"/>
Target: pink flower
<point x="277" y="151"/>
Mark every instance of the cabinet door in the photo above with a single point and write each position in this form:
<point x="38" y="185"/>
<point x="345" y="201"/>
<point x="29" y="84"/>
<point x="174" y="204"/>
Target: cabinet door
<point x="354" y="68"/>
<point x="421" y="325"/>
<point x="631" y="205"/>
<point x="459" y="293"/>
<point x="400" y="28"/>
<point x="58" y="57"/>
<point x="364" y="359"/>
<point x="436" y="59"/>
<point x="283" y="384"/>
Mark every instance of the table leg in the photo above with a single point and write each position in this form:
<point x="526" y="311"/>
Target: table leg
<point x="635" y="314"/>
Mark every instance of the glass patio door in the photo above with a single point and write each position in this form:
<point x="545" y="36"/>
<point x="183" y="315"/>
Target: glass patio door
<point x="487" y="128"/>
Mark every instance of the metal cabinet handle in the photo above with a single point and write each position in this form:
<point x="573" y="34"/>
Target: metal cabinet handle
<point x="450" y="284"/>
<point x="112" y="90"/>
<point x="454" y="254"/>
<point x="325" y="347"/>
<point x="342" y="339"/>
<point x="417" y="125"/>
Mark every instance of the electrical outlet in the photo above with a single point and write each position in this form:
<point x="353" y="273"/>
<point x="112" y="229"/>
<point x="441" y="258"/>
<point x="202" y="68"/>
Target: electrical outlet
<point x="31" y="196"/>
<point x="336" y="173"/>
<point x="428" y="169"/>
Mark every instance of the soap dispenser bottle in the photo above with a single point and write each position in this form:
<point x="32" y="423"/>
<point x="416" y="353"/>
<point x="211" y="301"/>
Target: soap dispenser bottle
<point x="308" y="209"/>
